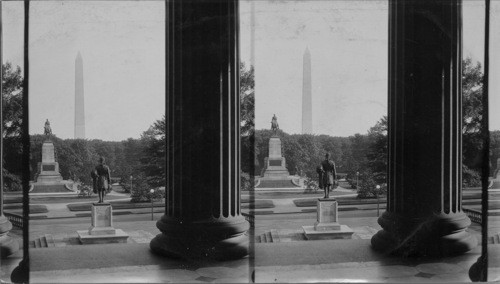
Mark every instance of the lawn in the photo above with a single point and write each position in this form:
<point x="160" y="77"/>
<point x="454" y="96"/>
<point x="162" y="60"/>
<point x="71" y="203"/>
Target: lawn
<point x="311" y="202"/>
<point x="34" y="208"/>
<point x="258" y="204"/>
<point x="283" y="195"/>
<point x="122" y="204"/>
<point x="70" y="199"/>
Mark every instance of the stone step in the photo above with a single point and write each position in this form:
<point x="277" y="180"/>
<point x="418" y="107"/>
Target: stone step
<point x="263" y="238"/>
<point x="275" y="236"/>
<point x="269" y="237"/>
<point x="258" y="239"/>
<point x="279" y="183"/>
<point x="43" y="242"/>
<point x="49" y="239"/>
<point x="37" y="243"/>
<point x="496" y="239"/>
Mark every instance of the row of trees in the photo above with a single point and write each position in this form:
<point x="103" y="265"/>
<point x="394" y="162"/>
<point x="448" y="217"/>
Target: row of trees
<point x="365" y="156"/>
<point x="144" y="158"/>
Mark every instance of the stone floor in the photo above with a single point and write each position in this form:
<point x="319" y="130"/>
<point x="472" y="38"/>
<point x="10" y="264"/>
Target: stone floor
<point x="324" y="261"/>
<point x="292" y="260"/>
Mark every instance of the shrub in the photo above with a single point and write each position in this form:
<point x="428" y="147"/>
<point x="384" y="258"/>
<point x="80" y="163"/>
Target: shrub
<point x="368" y="186"/>
<point x="84" y="187"/>
<point x="246" y="182"/>
<point x="470" y="178"/>
<point x="311" y="185"/>
<point x="11" y="181"/>
<point x="141" y="191"/>
<point x="125" y="185"/>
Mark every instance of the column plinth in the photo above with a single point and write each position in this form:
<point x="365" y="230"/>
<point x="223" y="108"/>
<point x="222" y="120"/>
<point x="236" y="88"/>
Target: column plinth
<point x="8" y="245"/>
<point x="424" y="199"/>
<point x="434" y="235"/>
<point x="214" y="238"/>
<point x="202" y="209"/>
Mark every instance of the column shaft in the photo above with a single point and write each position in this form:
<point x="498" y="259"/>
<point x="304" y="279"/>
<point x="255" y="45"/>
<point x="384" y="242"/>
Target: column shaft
<point x="424" y="213"/>
<point x="8" y="245"/>
<point x="202" y="214"/>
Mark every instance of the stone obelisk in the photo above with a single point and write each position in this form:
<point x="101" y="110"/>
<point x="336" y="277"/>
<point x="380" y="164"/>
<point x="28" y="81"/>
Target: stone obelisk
<point x="79" y="99"/>
<point x="306" y="94"/>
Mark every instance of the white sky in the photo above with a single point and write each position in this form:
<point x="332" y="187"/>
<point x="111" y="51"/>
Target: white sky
<point x="348" y="45"/>
<point x="123" y="47"/>
<point x="123" y="43"/>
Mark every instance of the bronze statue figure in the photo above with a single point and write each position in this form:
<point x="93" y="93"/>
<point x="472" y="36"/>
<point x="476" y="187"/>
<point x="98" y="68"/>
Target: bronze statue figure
<point x="327" y="175"/>
<point x="47" y="130"/>
<point x="274" y="124"/>
<point x="101" y="178"/>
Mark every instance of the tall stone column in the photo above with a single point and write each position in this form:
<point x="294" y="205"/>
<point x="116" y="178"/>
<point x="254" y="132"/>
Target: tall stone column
<point x="8" y="245"/>
<point x="202" y="215"/>
<point x="424" y="204"/>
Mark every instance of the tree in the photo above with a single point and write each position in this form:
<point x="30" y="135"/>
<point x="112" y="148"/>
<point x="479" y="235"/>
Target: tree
<point x="495" y="152"/>
<point x="247" y="114"/>
<point x="154" y="158"/>
<point x="377" y="151"/>
<point x="247" y="100"/>
<point x="368" y="186"/>
<point x="12" y="96"/>
<point x="472" y="91"/>
<point x="133" y="152"/>
<point x="141" y="190"/>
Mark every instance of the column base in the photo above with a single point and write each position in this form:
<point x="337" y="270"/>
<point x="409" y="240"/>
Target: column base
<point x="477" y="272"/>
<point x="8" y="245"/>
<point x="436" y="235"/>
<point x="20" y="274"/>
<point x="219" y="239"/>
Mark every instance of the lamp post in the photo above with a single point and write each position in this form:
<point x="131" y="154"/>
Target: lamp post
<point x="152" y="191"/>
<point x="357" y="180"/>
<point x="131" y="177"/>
<point x="378" y="203"/>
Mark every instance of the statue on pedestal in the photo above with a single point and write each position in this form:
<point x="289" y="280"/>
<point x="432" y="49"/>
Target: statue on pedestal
<point x="101" y="178"/>
<point x="274" y="124"/>
<point x="327" y="175"/>
<point x="47" y="130"/>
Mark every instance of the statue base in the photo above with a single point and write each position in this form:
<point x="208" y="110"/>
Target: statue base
<point x="327" y="226"/>
<point x="101" y="230"/>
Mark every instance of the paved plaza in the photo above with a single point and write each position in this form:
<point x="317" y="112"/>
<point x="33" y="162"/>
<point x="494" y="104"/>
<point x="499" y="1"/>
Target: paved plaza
<point x="325" y="261"/>
<point x="288" y="258"/>
<point x="285" y="261"/>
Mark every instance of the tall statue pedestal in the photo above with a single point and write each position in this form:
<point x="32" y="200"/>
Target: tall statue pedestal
<point x="275" y="164"/>
<point x="327" y="226"/>
<point x="48" y="169"/>
<point x="101" y="230"/>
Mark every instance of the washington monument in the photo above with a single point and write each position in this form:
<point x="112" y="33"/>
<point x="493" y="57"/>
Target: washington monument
<point x="306" y="95"/>
<point x="79" y="99"/>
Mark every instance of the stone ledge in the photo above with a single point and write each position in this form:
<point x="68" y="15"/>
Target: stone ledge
<point x="335" y="226"/>
<point x="119" y="237"/>
<point x="344" y="233"/>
